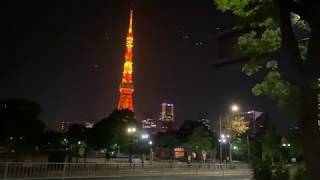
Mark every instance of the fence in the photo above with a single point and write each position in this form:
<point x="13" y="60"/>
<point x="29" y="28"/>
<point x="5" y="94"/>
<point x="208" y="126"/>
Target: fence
<point x="31" y="170"/>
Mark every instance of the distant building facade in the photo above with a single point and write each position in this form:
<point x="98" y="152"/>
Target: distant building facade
<point x="150" y="125"/>
<point x="256" y="121"/>
<point x="166" y="119"/>
<point x="64" y="126"/>
<point x="88" y="124"/>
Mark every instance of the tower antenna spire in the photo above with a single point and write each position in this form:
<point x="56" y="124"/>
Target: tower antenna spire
<point x="130" y="22"/>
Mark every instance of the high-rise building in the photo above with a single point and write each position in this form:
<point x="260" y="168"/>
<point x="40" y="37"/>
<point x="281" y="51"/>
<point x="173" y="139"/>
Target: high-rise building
<point x="150" y="125"/>
<point x="166" y="120"/>
<point x="205" y="121"/>
<point x="256" y="121"/>
<point x="88" y="124"/>
<point x="167" y="112"/>
<point x="126" y="87"/>
<point x="64" y="126"/>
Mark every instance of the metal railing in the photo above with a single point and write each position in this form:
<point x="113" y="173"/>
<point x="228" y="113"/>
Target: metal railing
<point x="25" y="170"/>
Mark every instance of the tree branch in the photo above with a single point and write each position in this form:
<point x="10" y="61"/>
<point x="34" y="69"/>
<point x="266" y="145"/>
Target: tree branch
<point x="288" y="40"/>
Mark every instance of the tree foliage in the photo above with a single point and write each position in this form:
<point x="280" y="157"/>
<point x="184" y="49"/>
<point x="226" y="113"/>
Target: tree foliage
<point x="53" y="139"/>
<point x="235" y="125"/>
<point x="271" y="144"/>
<point x="76" y="133"/>
<point x="187" y="128"/>
<point x="262" y="37"/>
<point x="113" y="130"/>
<point x="295" y="139"/>
<point x="20" y="121"/>
<point x="269" y="27"/>
<point x="200" y="140"/>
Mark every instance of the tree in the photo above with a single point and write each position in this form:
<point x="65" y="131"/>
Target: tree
<point x="53" y="139"/>
<point x="113" y="130"/>
<point x="235" y="126"/>
<point x="295" y="139"/>
<point x="271" y="144"/>
<point x="200" y="140"/>
<point x="20" y="122"/>
<point x="187" y="128"/>
<point x="76" y="133"/>
<point x="166" y="140"/>
<point x="269" y="26"/>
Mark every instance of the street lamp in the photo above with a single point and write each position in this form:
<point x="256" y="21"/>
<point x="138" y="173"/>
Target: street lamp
<point x="222" y="140"/>
<point x="151" y="152"/>
<point x="143" y="137"/>
<point x="235" y="108"/>
<point x="131" y="131"/>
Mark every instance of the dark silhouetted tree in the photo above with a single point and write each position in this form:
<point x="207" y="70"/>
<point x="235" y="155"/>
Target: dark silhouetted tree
<point x="20" y="122"/>
<point x="270" y="26"/>
<point x="113" y="130"/>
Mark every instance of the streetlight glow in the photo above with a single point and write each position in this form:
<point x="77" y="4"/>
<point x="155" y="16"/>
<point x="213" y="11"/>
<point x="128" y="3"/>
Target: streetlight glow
<point x="144" y="136"/>
<point x="235" y="108"/>
<point x="131" y="130"/>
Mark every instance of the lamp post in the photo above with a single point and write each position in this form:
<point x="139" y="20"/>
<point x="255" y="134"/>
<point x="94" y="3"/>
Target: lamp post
<point x="224" y="138"/>
<point x="234" y="109"/>
<point x="220" y="140"/>
<point x="143" y="137"/>
<point x="151" y="152"/>
<point x="131" y="131"/>
<point x="248" y="138"/>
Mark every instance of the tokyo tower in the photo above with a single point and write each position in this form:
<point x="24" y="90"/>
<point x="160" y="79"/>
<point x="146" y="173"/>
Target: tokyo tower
<point x="126" y="87"/>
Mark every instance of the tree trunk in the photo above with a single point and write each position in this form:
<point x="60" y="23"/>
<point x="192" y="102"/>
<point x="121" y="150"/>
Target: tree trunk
<point x="310" y="92"/>
<point x="230" y="152"/>
<point x="310" y="129"/>
<point x="305" y="76"/>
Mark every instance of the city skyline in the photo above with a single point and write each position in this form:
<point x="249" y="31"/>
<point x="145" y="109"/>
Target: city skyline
<point x="72" y="65"/>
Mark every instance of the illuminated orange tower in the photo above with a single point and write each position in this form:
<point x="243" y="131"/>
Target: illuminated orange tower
<point x="126" y="87"/>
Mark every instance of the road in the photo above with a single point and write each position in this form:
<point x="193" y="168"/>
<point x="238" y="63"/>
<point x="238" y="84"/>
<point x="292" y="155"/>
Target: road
<point x="175" y="177"/>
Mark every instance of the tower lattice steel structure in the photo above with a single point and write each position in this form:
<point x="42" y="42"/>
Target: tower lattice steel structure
<point x="126" y="87"/>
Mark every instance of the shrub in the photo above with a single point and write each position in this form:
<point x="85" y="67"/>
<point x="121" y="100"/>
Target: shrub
<point x="281" y="173"/>
<point x="261" y="170"/>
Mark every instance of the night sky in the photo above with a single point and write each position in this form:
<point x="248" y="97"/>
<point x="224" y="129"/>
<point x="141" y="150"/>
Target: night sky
<point x="68" y="56"/>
